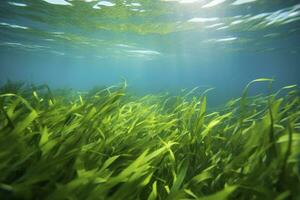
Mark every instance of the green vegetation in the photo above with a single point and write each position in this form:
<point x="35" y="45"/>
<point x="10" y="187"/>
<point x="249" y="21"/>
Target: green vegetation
<point x="109" y="145"/>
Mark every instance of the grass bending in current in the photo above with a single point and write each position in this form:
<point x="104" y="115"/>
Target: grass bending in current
<point x="107" y="145"/>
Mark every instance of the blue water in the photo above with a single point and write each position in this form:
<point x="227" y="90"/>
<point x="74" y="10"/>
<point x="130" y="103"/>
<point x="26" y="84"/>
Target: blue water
<point x="157" y="46"/>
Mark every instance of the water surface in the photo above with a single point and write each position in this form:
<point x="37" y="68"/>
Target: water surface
<point x="156" y="46"/>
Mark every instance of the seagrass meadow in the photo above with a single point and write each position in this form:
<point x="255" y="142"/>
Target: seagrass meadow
<point x="108" y="144"/>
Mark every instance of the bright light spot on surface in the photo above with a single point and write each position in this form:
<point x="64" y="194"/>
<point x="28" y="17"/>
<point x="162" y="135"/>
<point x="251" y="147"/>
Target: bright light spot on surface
<point x="236" y="22"/>
<point x="124" y="45"/>
<point x="13" y="25"/>
<point x="103" y="3"/>
<point x="214" y="25"/>
<point x="11" y="43"/>
<point x="17" y="4"/>
<point x="58" y="2"/>
<point x="49" y="39"/>
<point x="213" y="3"/>
<point x="258" y="16"/>
<point x="58" y="33"/>
<point x="239" y="2"/>
<point x="293" y="14"/>
<point x="222" y="28"/>
<point x="135" y="4"/>
<point x="144" y="52"/>
<point x="199" y="19"/>
<point x="23" y="46"/>
<point x="226" y="39"/>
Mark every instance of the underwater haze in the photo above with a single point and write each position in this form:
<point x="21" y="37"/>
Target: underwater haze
<point x="150" y="99"/>
<point x="157" y="46"/>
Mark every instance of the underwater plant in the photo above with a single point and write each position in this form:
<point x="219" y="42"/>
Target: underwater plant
<point x="106" y="145"/>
